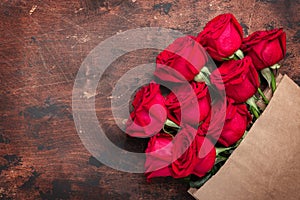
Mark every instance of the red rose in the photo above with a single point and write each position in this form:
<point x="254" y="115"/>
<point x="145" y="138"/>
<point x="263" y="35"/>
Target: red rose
<point x="214" y="123"/>
<point x="159" y="156"/>
<point x="189" y="96"/>
<point x="239" y="77"/>
<point x="149" y="114"/>
<point x="194" y="154"/>
<point x="229" y="129"/>
<point x="266" y="48"/>
<point x="181" y="61"/>
<point x="221" y="37"/>
<point x="236" y="122"/>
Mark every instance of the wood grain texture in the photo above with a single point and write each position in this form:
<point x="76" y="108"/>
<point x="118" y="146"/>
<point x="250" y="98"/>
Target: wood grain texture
<point x="41" y="50"/>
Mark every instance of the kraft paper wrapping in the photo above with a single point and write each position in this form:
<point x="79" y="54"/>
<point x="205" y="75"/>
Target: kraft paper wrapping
<point x="266" y="165"/>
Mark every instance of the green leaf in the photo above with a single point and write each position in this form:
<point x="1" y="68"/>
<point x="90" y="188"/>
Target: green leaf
<point x="220" y="159"/>
<point x="203" y="76"/>
<point x="171" y="124"/>
<point x="253" y="107"/>
<point x="273" y="82"/>
<point x="185" y="179"/>
<point x="276" y="66"/>
<point x="199" y="183"/>
<point x="220" y="150"/>
<point x="267" y="74"/>
<point x="239" y="54"/>
<point x="205" y="70"/>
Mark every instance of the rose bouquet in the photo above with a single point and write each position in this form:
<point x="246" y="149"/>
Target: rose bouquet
<point x="203" y="98"/>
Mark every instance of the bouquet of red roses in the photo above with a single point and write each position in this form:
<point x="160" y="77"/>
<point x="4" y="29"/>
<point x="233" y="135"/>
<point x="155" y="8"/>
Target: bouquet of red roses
<point x="197" y="111"/>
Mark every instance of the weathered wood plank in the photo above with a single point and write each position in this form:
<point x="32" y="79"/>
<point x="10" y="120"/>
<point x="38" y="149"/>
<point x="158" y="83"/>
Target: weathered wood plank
<point x="41" y="50"/>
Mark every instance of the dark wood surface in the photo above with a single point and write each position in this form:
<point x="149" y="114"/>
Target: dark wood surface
<point x="41" y="50"/>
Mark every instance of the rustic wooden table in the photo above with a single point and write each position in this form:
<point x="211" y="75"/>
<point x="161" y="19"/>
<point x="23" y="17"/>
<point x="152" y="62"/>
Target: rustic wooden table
<point x="42" y="45"/>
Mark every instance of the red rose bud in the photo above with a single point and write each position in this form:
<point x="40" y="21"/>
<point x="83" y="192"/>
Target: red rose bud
<point x="228" y="123"/>
<point x="266" y="48"/>
<point x="239" y="77"/>
<point x="221" y="37"/>
<point x="194" y="154"/>
<point x="236" y="122"/>
<point x="159" y="156"/>
<point x="181" y="61"/>
<point x="149" y="114"/>
<point x="182" y="100"/>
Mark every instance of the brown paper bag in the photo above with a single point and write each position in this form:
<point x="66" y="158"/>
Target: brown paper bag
<point x="266" y="165"/>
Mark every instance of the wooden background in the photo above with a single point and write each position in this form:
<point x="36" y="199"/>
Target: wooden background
<point x="42" y="45"/>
